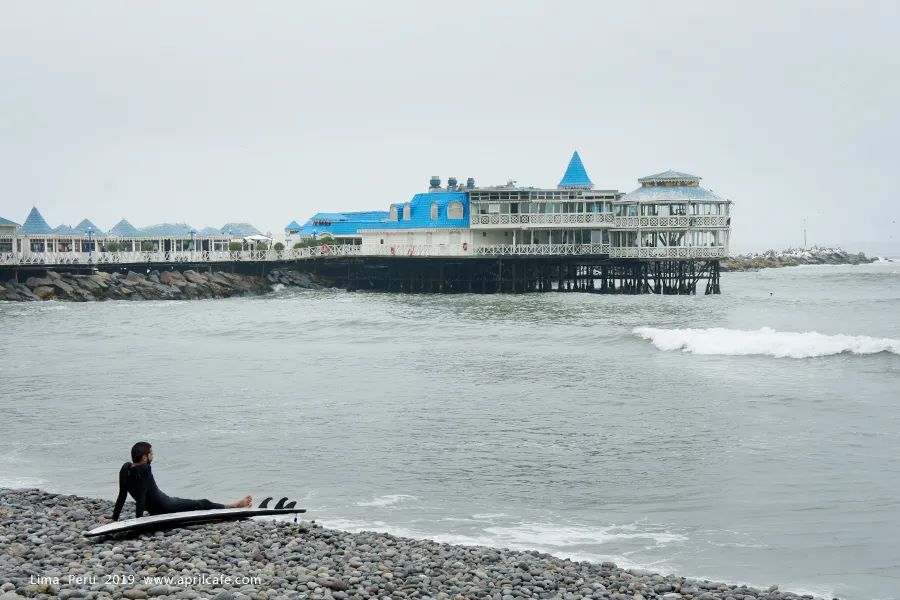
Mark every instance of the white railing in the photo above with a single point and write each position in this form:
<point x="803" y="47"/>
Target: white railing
<point x="672" y="221"/>
<point x="538" y="219"/>
<point x="666" y="252"/>
<point x="542" y="249"/>
<point x="326" y="251"/>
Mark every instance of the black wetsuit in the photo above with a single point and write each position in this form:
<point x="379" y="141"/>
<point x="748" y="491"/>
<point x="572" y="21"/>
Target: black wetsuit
<point x="138" y="481"/>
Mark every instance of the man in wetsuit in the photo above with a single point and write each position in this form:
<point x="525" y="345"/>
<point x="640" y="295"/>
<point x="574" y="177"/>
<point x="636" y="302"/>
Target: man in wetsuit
<point x="135" y="478"/>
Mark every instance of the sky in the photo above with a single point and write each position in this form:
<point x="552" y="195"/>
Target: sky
<point x="212" y="112"/>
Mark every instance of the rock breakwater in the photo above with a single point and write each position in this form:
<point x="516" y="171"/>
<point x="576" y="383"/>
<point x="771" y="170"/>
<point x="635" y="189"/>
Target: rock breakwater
<point x="793" y="257"/>
<point x="155" y="285"/>
<point x="42" y="549"/>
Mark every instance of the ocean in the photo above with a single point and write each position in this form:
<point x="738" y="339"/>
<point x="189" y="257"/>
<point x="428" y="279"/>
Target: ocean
<point x="752" y="437"/>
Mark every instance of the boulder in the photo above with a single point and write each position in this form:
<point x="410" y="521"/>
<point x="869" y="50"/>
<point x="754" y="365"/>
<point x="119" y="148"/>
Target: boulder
<point x="63" y="286"/>
<point x="100" y="280"/>
<point x="195" y="277"/>
<point x="89" y="284"/>
<point x="34" y="282"/>
<point x="44" y="291"/>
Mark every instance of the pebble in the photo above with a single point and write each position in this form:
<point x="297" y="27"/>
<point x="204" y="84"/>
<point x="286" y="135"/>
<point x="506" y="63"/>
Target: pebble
<point x="287" y="561"/>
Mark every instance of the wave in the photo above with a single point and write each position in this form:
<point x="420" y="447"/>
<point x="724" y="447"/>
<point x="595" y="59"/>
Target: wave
<point x="388" y="500"/>
<point x="765" y="341"/>
<point x="21" y="482"/>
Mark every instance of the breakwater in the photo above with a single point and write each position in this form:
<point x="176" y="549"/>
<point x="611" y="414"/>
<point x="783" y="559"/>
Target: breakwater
<point x="793" y="257"/>
<point x="154" y="285"/>
<point x="43" y="554"/>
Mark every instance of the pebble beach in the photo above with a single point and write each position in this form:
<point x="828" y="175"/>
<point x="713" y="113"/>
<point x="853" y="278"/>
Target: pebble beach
<point x="43" y="554"/>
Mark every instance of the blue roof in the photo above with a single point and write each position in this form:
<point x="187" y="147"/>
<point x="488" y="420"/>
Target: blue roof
<point x="670" y="176"/>
<point x="576" y="176"/>
<point x="674" y="193"/>
<point x="124" y="229"/>
<point x="65" y="230"/>
<point x="341" y="223"/>
<point x="239" y="229"/>
<point x="7" y="222"/>
<point x="420" y="212"/>
<point x="83" y="228"/>
<point x="35" y="224"/>
<point x="210" y="232"/>
<point x="293" y="225"/>
<point x="166" y="230"/>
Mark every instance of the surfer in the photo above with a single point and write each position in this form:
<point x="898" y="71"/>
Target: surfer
<point x="136" y="478"/>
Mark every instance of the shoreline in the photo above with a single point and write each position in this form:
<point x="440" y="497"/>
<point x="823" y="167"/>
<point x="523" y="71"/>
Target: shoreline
<point x="42" y="550"/>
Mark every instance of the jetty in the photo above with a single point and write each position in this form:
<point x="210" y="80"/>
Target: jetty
<point x="666" y="237"/>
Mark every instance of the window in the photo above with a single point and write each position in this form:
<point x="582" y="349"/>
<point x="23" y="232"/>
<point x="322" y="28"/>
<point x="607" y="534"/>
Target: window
<point x="455" y="210"/>
<point x="393" y="215"/>
<point x="434" y="211"/>
<point x="407" y="212"/>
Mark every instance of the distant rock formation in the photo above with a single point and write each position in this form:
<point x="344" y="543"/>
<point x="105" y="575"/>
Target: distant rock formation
<point x="793" y="257"/>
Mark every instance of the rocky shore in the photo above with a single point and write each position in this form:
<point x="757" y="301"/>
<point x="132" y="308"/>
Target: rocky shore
<point x="793" y="257"/>
<point x="43" y="553"/>
<point x="155" y="285"/>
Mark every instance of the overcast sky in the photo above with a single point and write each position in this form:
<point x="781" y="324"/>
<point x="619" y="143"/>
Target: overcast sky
<point x="207" y="112"/>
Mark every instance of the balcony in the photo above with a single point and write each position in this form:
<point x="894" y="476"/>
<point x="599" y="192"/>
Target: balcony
<point x="669" y="252"/>
<point x="682" y="222"/>
<point x="501" y="221"/>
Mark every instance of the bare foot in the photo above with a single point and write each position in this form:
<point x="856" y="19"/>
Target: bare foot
<point x="245" y="502"/>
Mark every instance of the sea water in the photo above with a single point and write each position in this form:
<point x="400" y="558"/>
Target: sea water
<point x="752" y="437"/>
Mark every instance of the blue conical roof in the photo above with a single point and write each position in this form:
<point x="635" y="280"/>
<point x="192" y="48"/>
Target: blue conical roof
<point x="7" y="222"/>
<point x="35" y="223"/>
<point x="576" y="176"/>
<point x="123" y="229"/>
<point x="64" y="230"/>
<point x="83" y="227"/>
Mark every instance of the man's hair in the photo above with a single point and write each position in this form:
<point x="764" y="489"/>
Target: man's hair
<point x="138" y="451"/>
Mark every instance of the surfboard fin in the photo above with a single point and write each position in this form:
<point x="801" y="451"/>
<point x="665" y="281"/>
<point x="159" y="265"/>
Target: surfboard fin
<point x="265" y="503"/>
<point x="291" y="504"/>
<point x="281" y="502"/>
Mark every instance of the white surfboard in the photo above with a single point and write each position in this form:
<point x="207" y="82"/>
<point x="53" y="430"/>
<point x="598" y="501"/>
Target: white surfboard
<point x="190" y="517"/>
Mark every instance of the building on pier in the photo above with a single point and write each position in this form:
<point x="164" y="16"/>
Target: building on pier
<point x="668" y="217"/>
<point x="36" y="237"/>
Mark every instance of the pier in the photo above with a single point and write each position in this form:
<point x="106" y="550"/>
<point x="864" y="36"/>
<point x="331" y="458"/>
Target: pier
<point x="665" y="237"/>
<point x="590" y="268"/>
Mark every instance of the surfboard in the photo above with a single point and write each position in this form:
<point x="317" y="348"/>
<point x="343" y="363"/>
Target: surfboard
<point x="190" y="517"/>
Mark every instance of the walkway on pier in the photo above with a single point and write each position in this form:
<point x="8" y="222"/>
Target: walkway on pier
<point x="49" y="259"/>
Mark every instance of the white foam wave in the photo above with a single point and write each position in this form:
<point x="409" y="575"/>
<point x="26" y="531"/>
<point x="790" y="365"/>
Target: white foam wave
<point x="21" y="482"/>
<point x="557" y="536"/>
<point x="388" y="500"/>
<point x="765" y="341"/>
<point x="488" y="516"/>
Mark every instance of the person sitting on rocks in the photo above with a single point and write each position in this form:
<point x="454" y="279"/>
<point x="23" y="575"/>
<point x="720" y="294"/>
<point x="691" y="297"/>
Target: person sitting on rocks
<point x="136" y="478"/>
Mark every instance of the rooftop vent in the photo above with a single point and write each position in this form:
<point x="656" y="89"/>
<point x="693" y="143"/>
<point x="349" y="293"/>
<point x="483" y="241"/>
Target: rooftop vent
<point x="435" y="182"/>
<point x="470" y="183"/>
<point x="452" y="184"/>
